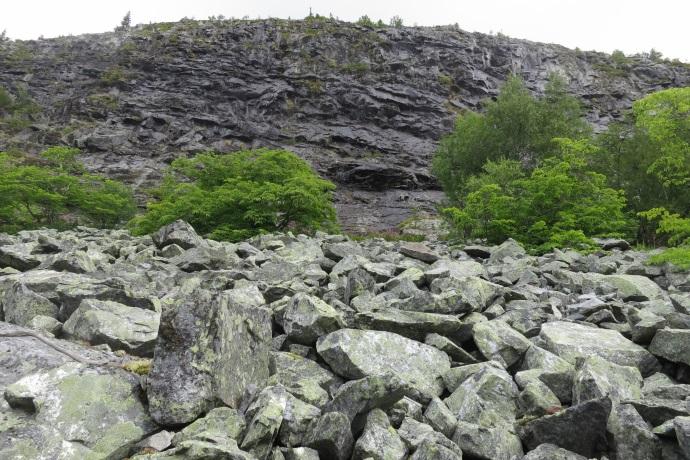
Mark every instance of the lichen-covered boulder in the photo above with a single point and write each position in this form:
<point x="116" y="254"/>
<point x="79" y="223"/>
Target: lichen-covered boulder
<point x="306" y="318"/>
<point x="21" y="305"/>
<point x="499" y="342"/>
<point x="672" y="344"/>
<point x="379" y="441"/>
<point x="412" y="324"/>
<point x="485" y="443"/>
<point x="596" y="377"/>
<point x="571" y="341"/>
<point x="218" y="424"/>
<point x="132" y="329"/>
<point x="631" y="437"/>
<point x="97" y="408"/>
<point x="211" y="347"/>
<point x="355" y="354"/>
<point x="179" y="233"/>
<point x="331" y="436"/>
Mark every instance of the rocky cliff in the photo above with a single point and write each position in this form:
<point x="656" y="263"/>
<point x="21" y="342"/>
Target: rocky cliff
<point x="365" y="105"/>
<point x="170" y="346"/>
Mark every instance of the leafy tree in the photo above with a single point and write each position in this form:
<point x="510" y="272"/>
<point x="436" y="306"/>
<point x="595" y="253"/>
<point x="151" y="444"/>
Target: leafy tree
<point x="52" y="190"/>
<point x="516" y="126"/>
<point x="648" y="154"/>
<point x="561" y="202"/>
<point x="232" y="197"/>
<point x="126" y="23"/>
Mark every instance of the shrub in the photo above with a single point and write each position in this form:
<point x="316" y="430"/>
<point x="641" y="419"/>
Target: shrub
<point x="53" y="190"/>
<point x="233" y="197"/>
<point x="680" y="257"/>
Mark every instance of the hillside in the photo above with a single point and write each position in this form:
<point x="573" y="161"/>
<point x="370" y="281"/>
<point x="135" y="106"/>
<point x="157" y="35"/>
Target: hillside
<point x="366" y="106"/>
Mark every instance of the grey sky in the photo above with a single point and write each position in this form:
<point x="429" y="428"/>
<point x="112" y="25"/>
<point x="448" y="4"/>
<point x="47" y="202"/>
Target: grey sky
<point x="603" y="25"/>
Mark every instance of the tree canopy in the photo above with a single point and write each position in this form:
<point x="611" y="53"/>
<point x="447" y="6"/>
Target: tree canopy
<point x="235" y="196"/>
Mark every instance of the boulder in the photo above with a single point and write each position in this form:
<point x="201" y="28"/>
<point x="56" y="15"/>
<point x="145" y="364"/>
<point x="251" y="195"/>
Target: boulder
<point x="672" y="344"/>
<point x="21" y="305"/>
<point x="485" y="443"/>
<point x="179" y="233"/>
<point x="379" y="441"/>
<point x="631" y="437"/>
<point x="411" y="324"/>
<point x="571" y="341"/>
<point x="354" y="354"/>
<point x="219" y="423"/>
<point x="121" y="327"/>
<point x="580" y="429"/>
<point x="331" y="436"/>
<point x="211" y="347"/>
<point x="551" y="452"/>
<point x="596" y="377"/>
<point x="499" y="342"/>
<point x="419" y="251"/>
<point x="306" y="318"/>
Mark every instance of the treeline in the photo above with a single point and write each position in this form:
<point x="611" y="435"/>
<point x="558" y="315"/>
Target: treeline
<point x="530" y="168"/>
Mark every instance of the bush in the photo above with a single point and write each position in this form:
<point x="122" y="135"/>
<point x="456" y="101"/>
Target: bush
<point x="680" y="257"/>
<point x="560" y="203"/>
<point x="233" y="197"/>
<point x="516" y="126"/>
<point x="53" y="190"/>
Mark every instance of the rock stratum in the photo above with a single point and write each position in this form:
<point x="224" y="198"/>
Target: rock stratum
<point x="287" y="347"/>
<point x="366" y="106"/>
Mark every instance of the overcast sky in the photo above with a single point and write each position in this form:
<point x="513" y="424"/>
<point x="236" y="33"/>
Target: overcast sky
<point x="602" y="25"/>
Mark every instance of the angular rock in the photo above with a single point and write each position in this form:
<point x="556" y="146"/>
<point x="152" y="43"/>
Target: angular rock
<point x="419" y="251"/>
<point x="210" y="347"/>
<point x="220" y="423"/>
<point x="596" y="377"/>
<point x="682" y="429"/>
<point x="179" y="233"/>
<point x="331" y="436"/>
<point x="552" y="452"/>
<point x="440" y="417"/>
<point x="536" y="399"/>
<point x="499" y="342"/>
<point x="21" y="305"/>
<point x="430" y="450"/>
<point x="571" y="341"/>
<point x="355" y="354"/>
<point x="631" y="437"/>
<point x="580" y="429"/>
<point x="358" y="282"/>
<point x="121" y="327"/>
<point x="306" y="318"/>
<point x="411" y="324"/>
<point x="289" y="369"/>
<point x="265" y="416"/>
<point x="416" y="433"/>
<point x="379" y="441"/>
<point x="450" y="348"/>
<point x="405" y="407"/>
<point x="672" y="344"/>
<point x="485" y="443"/>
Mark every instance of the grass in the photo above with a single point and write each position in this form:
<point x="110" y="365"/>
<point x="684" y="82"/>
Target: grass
<point x="680" y="257"/>
<point x="388" y="236"/>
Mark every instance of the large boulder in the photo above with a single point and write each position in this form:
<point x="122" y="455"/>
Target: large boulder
<point x="355" y="354"/>
<point x="211" y="347"/>
<point x="306" y="318"/>
<point x="179" y="233"/>
<point x="596" y="377"/>
<point x="571" y="341"/>
<point x="412" y="324"/>
<point x="121" y="327"/>
<point x="672" y="344"/>
<point x="485" y="443"/>
<point x="379" y="441"/>
<point x="499" y="342"/>
<point x="21" y="305"/>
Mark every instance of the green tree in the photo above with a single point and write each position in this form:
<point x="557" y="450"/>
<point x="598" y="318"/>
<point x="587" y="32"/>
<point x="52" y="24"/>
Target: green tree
<point x="561" y="202"/>
<point x="232" y="197"/>
<point x="52" y="190"/>
<point x="516" y="126"/>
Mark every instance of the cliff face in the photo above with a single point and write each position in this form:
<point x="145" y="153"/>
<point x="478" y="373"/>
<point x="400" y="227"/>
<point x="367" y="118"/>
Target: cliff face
<point x="365" y="106"/>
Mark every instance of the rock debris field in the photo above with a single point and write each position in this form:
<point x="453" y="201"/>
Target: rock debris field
<point x="289" y="347"/>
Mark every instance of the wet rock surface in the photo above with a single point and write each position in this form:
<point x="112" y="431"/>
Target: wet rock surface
<point x="265" y="357"/>
<point x="366" y="106"/>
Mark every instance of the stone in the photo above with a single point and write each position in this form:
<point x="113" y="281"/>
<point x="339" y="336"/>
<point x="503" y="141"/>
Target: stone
<point x="628" y="287"/>
<point x="306" y="318"/>
<point x="415" y="433"/>
<point x="265" y="417"/>
<point x="18" y="257"/>
<point x="179" y="233"/>
<point x="682" y="429"/>
<point x="455" y="352"/>
<point x="580" y="429"/>
<point x="132" y="329"/>
<point x="98" y="410"/>
<point x="657" y="411"/>
<point x="477" y="251"/>
<point x="499" y="342"/>
<point x="379" y="441"/>
<point x="608" y="244"/>
<point x="358" y="397"/>
<point x="21" y="305"/>
<point x="571" y="341"/>
<point x="430" y="450"/>
<point x="220" y="423"/>
<point x="440" y="417"/>
<point x="331" y="436"/>
<point x="158" y="442"/>
<point x="404" y="407"/>
<point x="412" y="324"/>
<point x="338" y="251"/>
<point x="354" y="354"/>
<point x="537" y="399"/>
<point x="210" y="347"/>
<point x="487" y="398"/>
<point x="508" y="249"/>
<point x="551" y="452"/>
<point x="631" y="437"/>
<point x="45" y="324"/>
<point x="596" y="377"/>
<point x="672" y="344"/>
<point x="418" y="251"/>
<point x="358" y="282"/>
<point x="485" y="443"/>
<point x="289" y="369"/>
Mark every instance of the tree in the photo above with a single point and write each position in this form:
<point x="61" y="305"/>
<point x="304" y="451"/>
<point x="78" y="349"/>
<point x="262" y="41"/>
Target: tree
<point x="126" y="23"/>
<point x="559" y="203"/>
<point x="648" y="153"/>
<point x="516" y="126"/>
<point x="233" y="197"/>
<point x="53" y="190"/>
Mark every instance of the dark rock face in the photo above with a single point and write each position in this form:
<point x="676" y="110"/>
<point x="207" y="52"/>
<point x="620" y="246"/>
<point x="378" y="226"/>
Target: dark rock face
<point x="365" y="106"/>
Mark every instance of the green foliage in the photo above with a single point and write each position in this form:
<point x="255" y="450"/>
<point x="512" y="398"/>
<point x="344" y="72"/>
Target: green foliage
<point x="396" y="21"/>
<point x="619" y="58"/>
<point x="680" y="257"/>
<point x="114" y="76"/>
<point x="232" y="197"/>
<point x="357" y="68"/>
<point x="53" y="190"/>
<point x="648" y="154"/>
<point x="673" y="228"/>
<point x="16" y="110"/>
<point x="516" y="126"/>
<point x="559" y="203"/>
